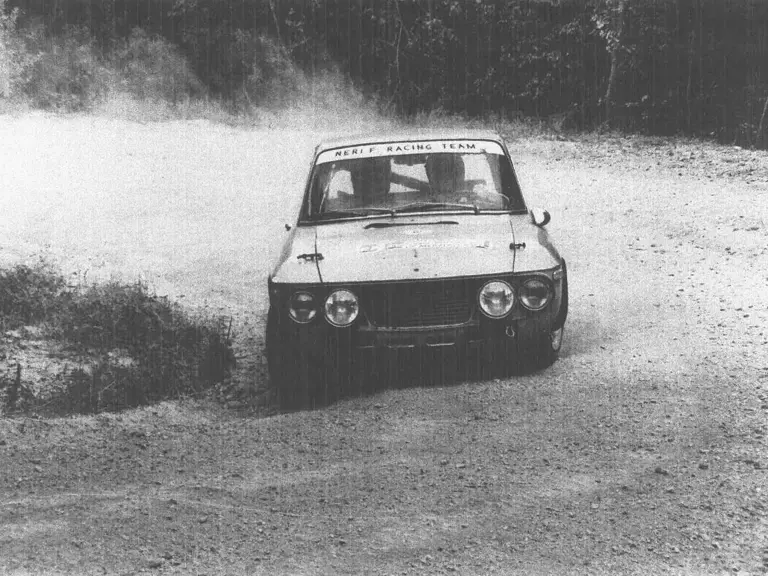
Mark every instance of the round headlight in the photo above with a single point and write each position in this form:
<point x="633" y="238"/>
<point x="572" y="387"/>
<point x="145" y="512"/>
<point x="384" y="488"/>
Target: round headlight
<point x="496" y="299"/>
<point x="341" y="308"/>
<point x="535" y="294"/>
<point x="302" y="307"/>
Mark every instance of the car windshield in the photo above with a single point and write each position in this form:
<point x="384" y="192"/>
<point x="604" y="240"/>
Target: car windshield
<point x="387" y="179"/>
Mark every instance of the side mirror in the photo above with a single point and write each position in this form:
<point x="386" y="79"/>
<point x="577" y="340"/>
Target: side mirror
<point x="540" y="217"/>
<point x="287" y="227"/>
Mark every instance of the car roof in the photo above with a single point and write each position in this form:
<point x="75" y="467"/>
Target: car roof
<point x="408" y="135"/>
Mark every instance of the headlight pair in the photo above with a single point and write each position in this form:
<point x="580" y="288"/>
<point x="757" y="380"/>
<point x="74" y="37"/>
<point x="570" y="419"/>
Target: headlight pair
<point x="497" y="298"/>
<point x="341" y="308"/>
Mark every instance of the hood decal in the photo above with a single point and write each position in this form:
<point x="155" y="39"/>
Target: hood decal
<point x="416" y="244"/>
<point x="477" y="246"/>
<point x="473" y="247"/>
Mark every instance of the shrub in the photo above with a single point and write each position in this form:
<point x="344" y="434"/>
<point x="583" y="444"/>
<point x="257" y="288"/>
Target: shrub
<point x="28" y="294"/>
<point x="268" y="75"/>
<point x="69" y="73"/>
<point x="152" y="68"/>
<point x="14" y="58"/>
<point x="66" y="74"/>
<point x="131" y="347"/>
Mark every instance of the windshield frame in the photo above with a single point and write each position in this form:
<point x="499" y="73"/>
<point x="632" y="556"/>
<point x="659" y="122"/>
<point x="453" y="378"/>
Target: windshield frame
<point x="307" y="219"/>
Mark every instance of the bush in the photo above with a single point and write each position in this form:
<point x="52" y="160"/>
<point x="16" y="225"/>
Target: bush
<point x="62" y="73"/>
<point x="146" y="76"/>
<point x="28" y="295"/>
<point x="15" y="60"/>
<point x="151" y="68"/>
<point x="66" y="72"/>
<point x="131" y="347"/>
<point x="268" y="75"/>
<point x="165" y="353"/>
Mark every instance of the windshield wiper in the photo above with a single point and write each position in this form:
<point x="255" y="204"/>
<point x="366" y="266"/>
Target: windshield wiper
<point x="353" y="212"/>
<point x="418" y="206"/>
<point x="393" y="224"/>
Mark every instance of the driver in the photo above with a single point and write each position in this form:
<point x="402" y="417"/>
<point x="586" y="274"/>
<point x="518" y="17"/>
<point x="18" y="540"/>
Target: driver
<point x="446" y="174"/>
<point x="371" y="180"/>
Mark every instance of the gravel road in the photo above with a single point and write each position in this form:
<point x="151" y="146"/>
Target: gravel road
<point x="641" y="451"/>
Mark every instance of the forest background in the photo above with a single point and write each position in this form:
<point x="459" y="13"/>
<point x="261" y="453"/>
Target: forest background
<point x="664" y="67"/>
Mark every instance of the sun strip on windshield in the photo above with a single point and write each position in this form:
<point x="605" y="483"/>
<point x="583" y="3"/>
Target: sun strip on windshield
<point x="405" y="148"/>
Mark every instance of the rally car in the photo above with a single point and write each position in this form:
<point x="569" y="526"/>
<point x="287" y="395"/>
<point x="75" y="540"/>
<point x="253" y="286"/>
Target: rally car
<point x="408" y="242"/>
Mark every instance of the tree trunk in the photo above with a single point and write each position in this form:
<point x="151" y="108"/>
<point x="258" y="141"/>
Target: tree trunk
<point x="277" y="22"/>
<point x="761" y="127"/>
<point x="5" y="69"/>
<point x="616" y="46"/>
<point x="689" y="85"/>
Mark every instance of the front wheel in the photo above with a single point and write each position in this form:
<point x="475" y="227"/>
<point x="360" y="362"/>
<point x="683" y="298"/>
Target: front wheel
<point x="289" y="371"/>
<point x="303" y="374"/>
<point x="547" y="349"/>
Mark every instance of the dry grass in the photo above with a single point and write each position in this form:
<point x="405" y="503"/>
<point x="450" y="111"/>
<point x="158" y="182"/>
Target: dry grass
<point x="128" y="346"/>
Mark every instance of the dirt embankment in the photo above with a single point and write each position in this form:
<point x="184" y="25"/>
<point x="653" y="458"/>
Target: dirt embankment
<point x="642" y="450"/>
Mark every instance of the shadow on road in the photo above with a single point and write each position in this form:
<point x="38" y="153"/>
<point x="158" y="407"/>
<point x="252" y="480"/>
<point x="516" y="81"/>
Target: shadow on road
<point x="404" y="370"/>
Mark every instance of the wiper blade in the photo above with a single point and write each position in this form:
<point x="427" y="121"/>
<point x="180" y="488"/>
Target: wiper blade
<point x="367" y="211"/>
<point x="391" y="224"/>
<point x="417" y="206"/>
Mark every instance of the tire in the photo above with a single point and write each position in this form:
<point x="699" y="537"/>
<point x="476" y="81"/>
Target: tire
<point x="505" y="357"/>
<point x="547" y="350"/>
<point x="303" y="379"/>
<point x="289" y="375"/>
<point x="514" y="357"/>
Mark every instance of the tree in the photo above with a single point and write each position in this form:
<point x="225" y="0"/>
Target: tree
<point x="761" y="129"/>
<point x="611" y="24"/>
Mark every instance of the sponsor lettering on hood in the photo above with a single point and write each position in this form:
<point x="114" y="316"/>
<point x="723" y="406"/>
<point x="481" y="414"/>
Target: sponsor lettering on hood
<point x="417" y="244"/>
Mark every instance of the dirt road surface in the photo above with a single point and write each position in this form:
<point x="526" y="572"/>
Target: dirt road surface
<point x="641" y="451"/>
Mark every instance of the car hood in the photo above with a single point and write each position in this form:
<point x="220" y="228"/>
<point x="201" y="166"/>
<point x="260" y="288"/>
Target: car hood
<point x="429" y="247"/>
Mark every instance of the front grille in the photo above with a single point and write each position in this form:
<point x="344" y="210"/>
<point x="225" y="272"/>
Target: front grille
<point x="410" y="305"/>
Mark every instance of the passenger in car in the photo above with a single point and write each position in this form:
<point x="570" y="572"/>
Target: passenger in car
<point x="446" y="174"/>
<point x="371" y="181"/>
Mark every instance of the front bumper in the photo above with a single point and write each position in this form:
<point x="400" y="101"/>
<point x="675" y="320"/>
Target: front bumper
<point x="321" y="340"/>
<point x="471" y="334"/>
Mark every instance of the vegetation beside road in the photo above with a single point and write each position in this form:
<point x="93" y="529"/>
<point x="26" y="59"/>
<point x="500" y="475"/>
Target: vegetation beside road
<point x="691" y="67"/>
<point x="100" y="347"/>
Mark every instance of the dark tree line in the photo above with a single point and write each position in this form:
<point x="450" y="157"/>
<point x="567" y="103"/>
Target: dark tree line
<point x="697" y="67"/>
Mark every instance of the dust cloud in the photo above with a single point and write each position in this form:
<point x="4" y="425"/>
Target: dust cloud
<point x="196" y="209"/>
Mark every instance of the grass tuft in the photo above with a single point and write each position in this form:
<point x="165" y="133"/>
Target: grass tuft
<point x="28" y="294"/>
<point x="126" y="347"/>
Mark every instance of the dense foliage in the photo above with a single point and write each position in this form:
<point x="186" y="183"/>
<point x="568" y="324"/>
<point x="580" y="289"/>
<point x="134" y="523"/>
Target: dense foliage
<point x="697" y="67"/>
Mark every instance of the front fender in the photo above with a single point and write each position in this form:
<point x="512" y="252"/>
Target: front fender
<point x="562" y="314"/>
